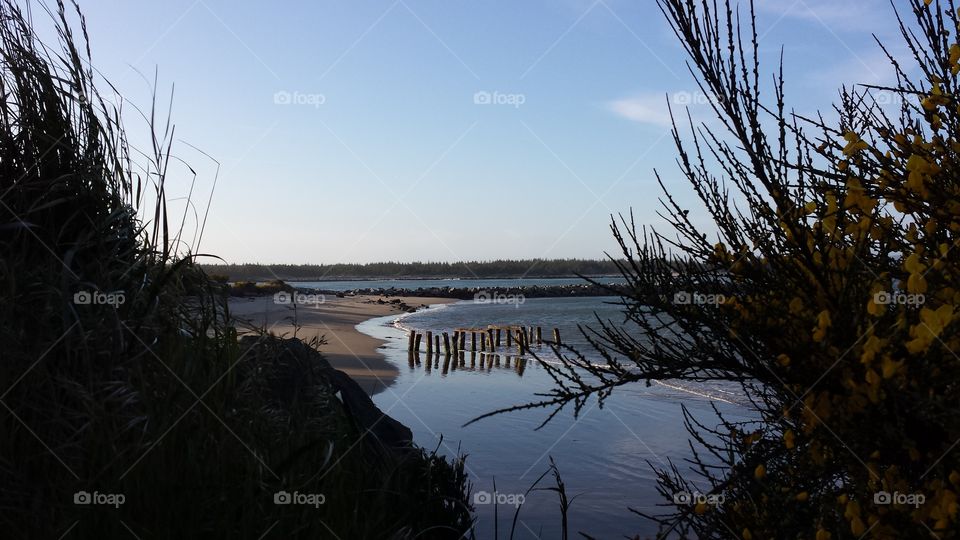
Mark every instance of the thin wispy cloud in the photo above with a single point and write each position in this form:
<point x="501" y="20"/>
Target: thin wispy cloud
<point x="645" y="108"/>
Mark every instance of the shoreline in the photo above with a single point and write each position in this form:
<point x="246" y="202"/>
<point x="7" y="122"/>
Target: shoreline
<point x="334" y="319"/>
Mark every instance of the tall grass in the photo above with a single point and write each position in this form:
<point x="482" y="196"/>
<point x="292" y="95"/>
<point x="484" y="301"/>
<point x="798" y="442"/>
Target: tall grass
<point x="153" y="398"/>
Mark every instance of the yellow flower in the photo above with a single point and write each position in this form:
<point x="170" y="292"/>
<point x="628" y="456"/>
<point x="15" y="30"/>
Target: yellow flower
<point x="857" y="527"/>
<point x="930" y="327"/>
<point x="759" y="472"/>
<point x="889" y="367"/>
<point x="919" y="169"/>
<point x="871" y="347"/>
<point x="823" y="322"/>
<point x="854" y="144"/>
<point x="913" y="264"/>
<point x="788" y="439"/>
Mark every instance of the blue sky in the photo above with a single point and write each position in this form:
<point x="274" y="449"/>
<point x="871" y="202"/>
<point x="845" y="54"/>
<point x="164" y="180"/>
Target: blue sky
<point x="366" y="130"/>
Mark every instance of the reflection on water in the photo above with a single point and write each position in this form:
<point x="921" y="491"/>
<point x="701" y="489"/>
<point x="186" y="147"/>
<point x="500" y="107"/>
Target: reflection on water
<point x="470" y="361"/>
<point x="602" y="453"/>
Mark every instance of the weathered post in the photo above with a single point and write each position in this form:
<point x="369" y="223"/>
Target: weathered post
<point x="413" y="338"/>
<point x="556" y="336"/>
<point x="473" y="341"/>
<point x="498" y="336"/>
<point x="446" y="344"/>
<point x="416" y="345"/>
<point x="429" y="343"/>
<point x="539" y="336"/>
<point x="436" y="339"/>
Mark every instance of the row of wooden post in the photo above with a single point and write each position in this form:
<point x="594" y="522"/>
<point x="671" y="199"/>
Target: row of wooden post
<point x="451" y="363"/>
<point x="490" y="338"/>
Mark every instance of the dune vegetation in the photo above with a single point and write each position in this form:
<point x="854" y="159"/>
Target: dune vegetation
<point x="129" y="406"/>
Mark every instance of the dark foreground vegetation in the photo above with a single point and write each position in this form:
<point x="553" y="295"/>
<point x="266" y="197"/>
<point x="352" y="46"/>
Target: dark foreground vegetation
<point x="128" y="406"/>
<point x="500" y="269"/>
<point x="835" y="303"/>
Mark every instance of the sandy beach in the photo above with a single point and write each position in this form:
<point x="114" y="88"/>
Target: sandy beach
<point x="335" y="320"/>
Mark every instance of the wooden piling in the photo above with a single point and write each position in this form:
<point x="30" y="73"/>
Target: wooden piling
<point x="436" y="340"/>
<point x="429" y="343"/>
<point x="413" y="338"/>
<point x="446" y="344"/>
<point x="509" y="336"/>
<point x="473" y="341"/>
<point x="498" y="337"/>
<point x="539" y="336"/>
<point x="556" y="336"/>
<point x="416" y="345"/>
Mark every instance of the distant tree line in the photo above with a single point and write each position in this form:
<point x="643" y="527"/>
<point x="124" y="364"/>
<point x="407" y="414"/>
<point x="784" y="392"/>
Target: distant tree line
<point x="535" y="268"/>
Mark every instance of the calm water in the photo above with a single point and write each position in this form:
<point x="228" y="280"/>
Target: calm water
<point x="602" y="455"/>
<point x="436" y="283"/>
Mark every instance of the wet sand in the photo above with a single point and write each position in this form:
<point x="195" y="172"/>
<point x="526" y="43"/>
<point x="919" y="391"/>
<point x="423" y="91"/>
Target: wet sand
<point x="334" y="320"/>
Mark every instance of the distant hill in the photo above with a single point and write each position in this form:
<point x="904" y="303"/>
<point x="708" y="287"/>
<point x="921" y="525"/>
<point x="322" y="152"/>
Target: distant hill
<point x="534" y="268"/>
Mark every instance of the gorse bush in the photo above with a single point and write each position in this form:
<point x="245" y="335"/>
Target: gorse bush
<point x="121" y="379"/>
<point x="838" y="269"/>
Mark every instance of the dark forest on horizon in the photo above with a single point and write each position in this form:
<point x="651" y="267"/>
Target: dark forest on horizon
<point x="534" y="268"/>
